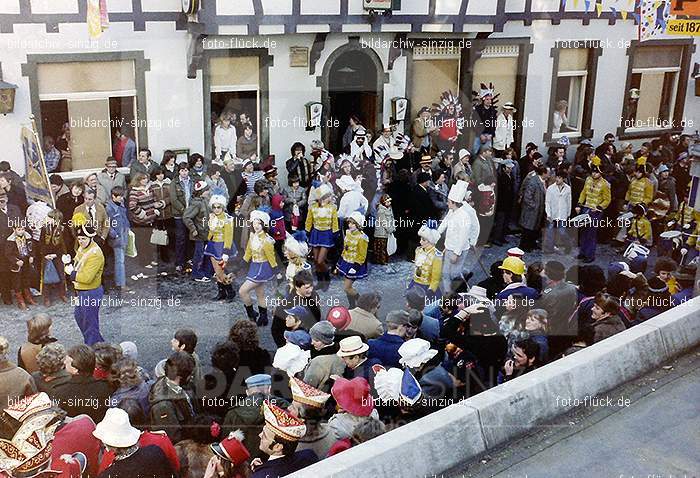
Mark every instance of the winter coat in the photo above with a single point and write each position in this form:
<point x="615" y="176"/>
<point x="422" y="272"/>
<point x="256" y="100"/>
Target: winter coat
<point x="604" y="328"/>
<point x="88" y="389"/>
<point x="532" y="212"/>
<point x="196" y="218"/>
<point x="137" y="392"/>
<point x="161" y="192"/>
<point x="247" y="416"/>
<point x="106" y="183"/>
<point x="118" y="237"/>
<point x="668" y="186"/>
<point x="15" y="383"/>
<point x="142" y="206"/>
<point x="320" y="369"/>
<point x="171" y="409"/>
<point x="178" y="198"/>
<point x="438" y="194"/>
<point x="292" y="197"/>
<point x="505" y="198"/>
<point x="385" y="349"/>
<point x="138" y="167"/>
<point x="384" y="223"/>
<point x="101" y="220"/>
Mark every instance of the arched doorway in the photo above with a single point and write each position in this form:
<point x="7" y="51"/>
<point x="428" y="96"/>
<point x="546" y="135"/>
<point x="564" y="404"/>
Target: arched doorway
<point x="353" y="83"/>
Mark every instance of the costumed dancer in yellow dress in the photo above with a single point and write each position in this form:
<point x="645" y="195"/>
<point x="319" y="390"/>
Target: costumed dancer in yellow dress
<point x="322" y="225"/>
<point x="220" y="247"/>
<point x="260" y="253"/>
<point x="427" y="270"/>
<point x="353" y="261"/>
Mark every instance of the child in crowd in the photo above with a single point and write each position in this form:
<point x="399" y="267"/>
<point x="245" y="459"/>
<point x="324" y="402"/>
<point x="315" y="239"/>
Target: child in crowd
<point x="51" y="250"/>
<point x="18" y="252"/>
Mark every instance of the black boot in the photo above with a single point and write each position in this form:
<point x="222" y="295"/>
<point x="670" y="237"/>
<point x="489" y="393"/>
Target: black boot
<point x="262" y="318"/>
<point x="319" y="281"/>
<point x="222" y="291"/>
<point x="250" y="311"/>
<point x="230" y="292"/>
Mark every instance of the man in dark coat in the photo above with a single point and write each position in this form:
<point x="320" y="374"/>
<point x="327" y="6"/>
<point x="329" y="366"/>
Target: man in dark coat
<point x="532" y="212"/>
<point x="9" y="213"/>
<point x="245" y="415"/>
<point x="422" y="210"/>
<point x="559" y="299"/>
<point x="172" y="408"/>
<point x="279" y="439"/>
<point x="385" y="348"/>
<point x="83" y="394"/>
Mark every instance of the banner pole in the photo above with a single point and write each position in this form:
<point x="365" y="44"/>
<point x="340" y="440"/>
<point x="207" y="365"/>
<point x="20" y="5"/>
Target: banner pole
<point x="42" y="162"/>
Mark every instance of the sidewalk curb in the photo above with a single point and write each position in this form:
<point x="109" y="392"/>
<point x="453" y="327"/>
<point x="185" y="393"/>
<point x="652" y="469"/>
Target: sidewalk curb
<point x="453" y="435"/>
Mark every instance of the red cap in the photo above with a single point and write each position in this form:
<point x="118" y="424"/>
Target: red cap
<point x="339" y="317"/>
<point x="231" y="448"/>
<point x="353" y="396"/>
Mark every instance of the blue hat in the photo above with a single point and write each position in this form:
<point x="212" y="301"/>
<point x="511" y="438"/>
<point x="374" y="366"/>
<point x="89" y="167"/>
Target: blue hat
<point x="638" y="264"/>
<point x="410" y="388"/>
<point x="662" y="168"/>
<point x="297" y="311"/>
<point x="258" y="380"/>
<point x="614" y="268"/>
<point x="298" y="337"/>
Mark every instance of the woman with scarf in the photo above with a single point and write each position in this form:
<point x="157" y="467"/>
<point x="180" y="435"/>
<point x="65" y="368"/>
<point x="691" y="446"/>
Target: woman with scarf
<point x="51" y="250"/>
<point x="260" y="253"/>
<point x="220" y="246"/>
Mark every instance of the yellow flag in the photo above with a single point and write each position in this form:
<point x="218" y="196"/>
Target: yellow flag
<point x="94" y="21"/>
<point x="624" y="14"/>
<point x="575" y="3"/>
<point x="599" y="8"/>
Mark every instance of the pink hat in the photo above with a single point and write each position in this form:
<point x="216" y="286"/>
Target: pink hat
<point x="353" y="396"/>
<point x="339" y="317"/>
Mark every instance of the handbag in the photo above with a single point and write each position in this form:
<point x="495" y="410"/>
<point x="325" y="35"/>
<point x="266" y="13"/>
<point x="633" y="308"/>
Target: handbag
<point x="391" y="244"/>
<point x="159" y="237"/>
<point x="50" y="273"/>
<point x="131" y="245"/>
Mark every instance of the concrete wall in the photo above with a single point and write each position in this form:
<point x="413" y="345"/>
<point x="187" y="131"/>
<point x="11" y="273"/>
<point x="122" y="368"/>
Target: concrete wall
<point x="455" y="434"/>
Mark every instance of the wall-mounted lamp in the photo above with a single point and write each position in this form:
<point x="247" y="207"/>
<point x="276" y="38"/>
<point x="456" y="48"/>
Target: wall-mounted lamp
<point x="7" y="95"/>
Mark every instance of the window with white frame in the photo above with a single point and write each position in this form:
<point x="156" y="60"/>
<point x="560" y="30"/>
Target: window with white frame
<point x="96" y="100"/>
<point x="570" y="89"/>
<point x="654" y="84"/>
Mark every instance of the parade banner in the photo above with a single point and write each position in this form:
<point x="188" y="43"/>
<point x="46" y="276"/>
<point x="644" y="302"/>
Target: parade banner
<point x="37" y="178"/>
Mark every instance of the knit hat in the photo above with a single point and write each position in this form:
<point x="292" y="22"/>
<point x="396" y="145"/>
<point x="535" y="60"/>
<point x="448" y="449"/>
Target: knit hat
<point x="339" y="317"/>
<point x="129" y="350"/>
<point x="398" y="317"/>
<point x="353" y="396"/>
<point x="323" y="332"/>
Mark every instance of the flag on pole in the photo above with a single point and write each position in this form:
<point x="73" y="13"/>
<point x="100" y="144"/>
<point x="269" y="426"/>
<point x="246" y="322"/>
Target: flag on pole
<point x="624" y="14"/>
<point x="588" y="4"/>
<point x="37" y="178"/>
<point x="599" y="8"/>
<point x="97" y="17"/>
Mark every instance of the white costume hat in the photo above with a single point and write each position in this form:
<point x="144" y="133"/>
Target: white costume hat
<point x="115" y="429"/>
<point x="387" y="383"/>
<point x="463" y="152"/>
<point x="415" y="352"/>
<point x="346" y="183"/>
<point x="217" y="199"/>
<point x="298" y="248"/>
<point x="321" y="191"/>
<point x="261" y="216"/>
<point x="430" y="235"/>
<point x="358" y="217"/>
<point x="291" y="359"/>
<point x="477" y="292"/>
<point x="458" y="191"/>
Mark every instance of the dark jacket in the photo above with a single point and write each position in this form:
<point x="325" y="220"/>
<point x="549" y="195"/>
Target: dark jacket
<point x="150" y="461"/>
<point x="385" y="349"/>
<point x="422" y="207"/>
<point x="53" y="386"/>
<point x="604" y="328"/>
<point x="506" y="198"/>
<point x="255" y="361"/>
<point x="246" y="415"/>
<point x="118" y="237"/>
<point x="171" y="409"/>
<point x="178" y="200"/>
<point x="196" y="218"/>
<point x="286" y="465"/>
<point x="84" y="395"/>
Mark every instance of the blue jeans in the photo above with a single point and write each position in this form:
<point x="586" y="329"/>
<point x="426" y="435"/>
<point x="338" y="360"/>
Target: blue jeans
<point x="555" y="234"/>
<point x="180" y="242"/>
<point x="589" y="234"/>
<point x="201" y="265"/>
<point x="119" y="270"/>
<point x="87" y="314"/>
